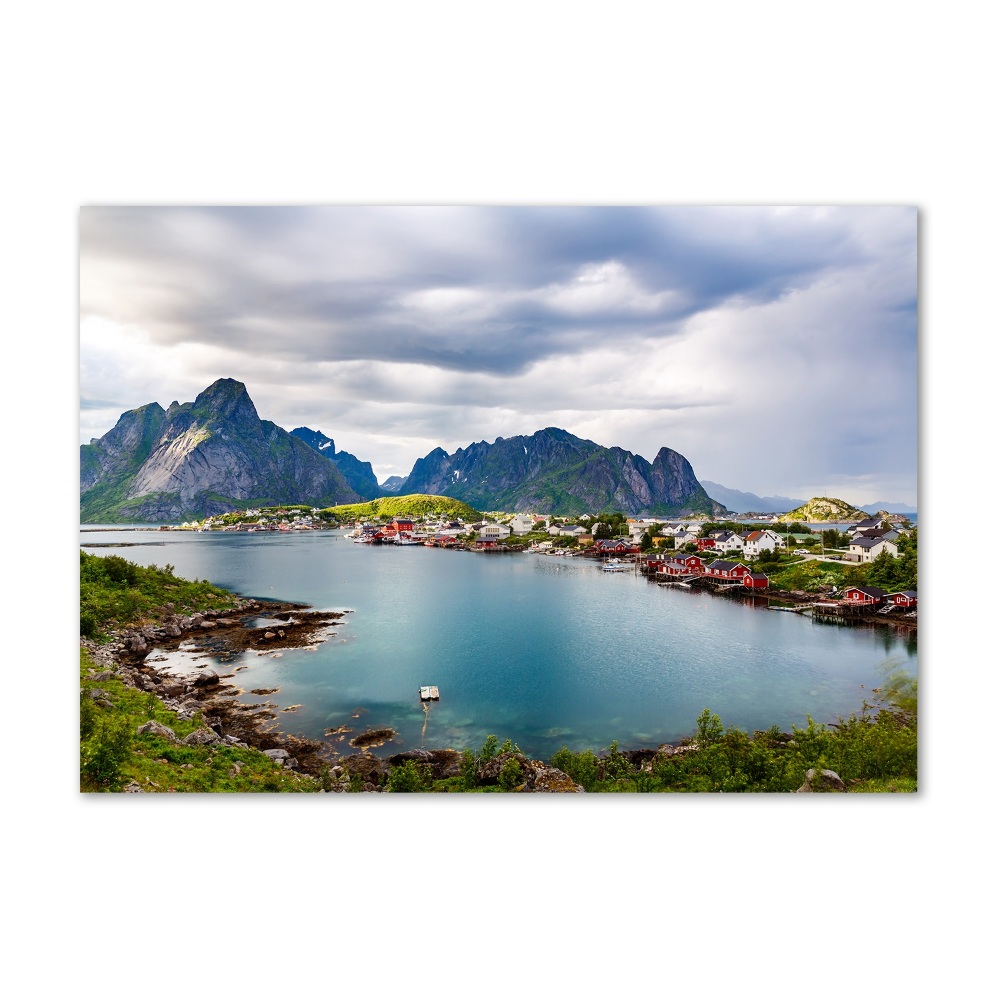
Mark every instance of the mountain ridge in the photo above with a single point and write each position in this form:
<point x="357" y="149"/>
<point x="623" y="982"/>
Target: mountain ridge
<point x="216" y="454"/>
<point x="360" y="475"/>
<point x="201" y="458"/>
<point x="742" y="502"/>
<point x="553" y="470"/>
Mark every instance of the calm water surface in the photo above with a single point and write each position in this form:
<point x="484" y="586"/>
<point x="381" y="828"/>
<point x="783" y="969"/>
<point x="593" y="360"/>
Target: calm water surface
<point x="544" y="650"/>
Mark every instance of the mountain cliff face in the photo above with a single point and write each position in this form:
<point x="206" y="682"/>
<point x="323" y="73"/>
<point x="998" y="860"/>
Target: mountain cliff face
<point x="201" y="458"/>
<point x="360" y="475"/>
<point x="552" y="470"/>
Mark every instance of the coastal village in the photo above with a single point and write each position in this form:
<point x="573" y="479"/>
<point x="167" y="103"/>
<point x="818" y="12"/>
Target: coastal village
<point x="692" y="552"/>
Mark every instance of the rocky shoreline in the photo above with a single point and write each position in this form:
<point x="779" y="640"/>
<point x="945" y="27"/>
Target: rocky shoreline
<point x="223" y="635"/>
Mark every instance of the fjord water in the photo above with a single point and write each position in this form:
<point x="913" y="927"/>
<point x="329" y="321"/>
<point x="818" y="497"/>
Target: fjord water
<point x="543" y="650"/>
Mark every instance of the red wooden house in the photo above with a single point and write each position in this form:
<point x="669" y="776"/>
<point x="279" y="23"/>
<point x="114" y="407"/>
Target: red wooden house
<point x="695" y="564"/>
<point x="904" y="598"/>
<point x="723" y="569"/>
<point x="673" y="568"/>
<point x="704" y="543"/>
<point x="756" y="581"/>
<point x="681" y="566"/>
<point x="863" y="596"/>
<point x="614" y="546"/>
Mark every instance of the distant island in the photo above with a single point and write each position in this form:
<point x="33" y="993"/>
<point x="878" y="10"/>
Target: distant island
<point x="824" y="509"/>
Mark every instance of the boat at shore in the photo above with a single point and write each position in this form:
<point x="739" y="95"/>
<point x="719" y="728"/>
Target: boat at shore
<point x="616" y="566"/>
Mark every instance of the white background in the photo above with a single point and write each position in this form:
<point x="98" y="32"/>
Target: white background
<point x="458" y="103"/>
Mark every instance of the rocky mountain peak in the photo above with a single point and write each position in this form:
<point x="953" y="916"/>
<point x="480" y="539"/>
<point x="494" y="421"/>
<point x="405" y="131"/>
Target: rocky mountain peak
<point x="226" y="400"/>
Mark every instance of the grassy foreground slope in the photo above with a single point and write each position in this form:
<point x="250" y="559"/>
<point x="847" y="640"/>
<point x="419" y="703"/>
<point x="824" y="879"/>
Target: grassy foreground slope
<point x="115" y="593"/>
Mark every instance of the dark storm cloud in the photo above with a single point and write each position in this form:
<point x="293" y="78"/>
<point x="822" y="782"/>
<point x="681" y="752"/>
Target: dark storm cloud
<point x="345" y="283"/>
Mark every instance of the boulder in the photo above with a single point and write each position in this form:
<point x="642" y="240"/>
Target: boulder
<point x="822" y="781"/>
<point x="370" y="769"/>
<point x="201" y="737"/>
<point x="157" y="729"/>
<point x="551" y="779"/>
<point x="536" y="775"/>
<point x="206" y="677"/>
<point x="488" y="773"/>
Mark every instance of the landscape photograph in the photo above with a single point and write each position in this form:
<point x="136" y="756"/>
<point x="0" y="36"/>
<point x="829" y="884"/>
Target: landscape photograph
<point x="498" y="499"/>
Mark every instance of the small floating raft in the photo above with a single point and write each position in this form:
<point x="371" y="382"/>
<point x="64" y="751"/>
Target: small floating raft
<point x="429" y="693"/>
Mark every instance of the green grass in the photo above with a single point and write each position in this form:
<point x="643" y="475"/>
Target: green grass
<point x="872" y="751"/>
<point x="115" y="593"/>
<point x="112" y="754"/>
<point x="414" y="505"/>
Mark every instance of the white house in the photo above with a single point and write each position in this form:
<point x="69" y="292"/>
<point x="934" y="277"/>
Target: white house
<point x="754" y="542"/>
<point x="779" y="540"/>
<point x="727" y="541"/>
<point x="866" y="525"/>
<point x="521" y="524"/>
<point x="864" y="549"/>
<point x="493" y="532"/>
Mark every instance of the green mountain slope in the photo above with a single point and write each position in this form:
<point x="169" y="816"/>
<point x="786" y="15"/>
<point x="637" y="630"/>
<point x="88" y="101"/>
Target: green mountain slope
<point x="415" y="505"/>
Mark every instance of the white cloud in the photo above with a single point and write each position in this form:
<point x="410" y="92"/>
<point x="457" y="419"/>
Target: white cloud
<point x="774" y="348"/>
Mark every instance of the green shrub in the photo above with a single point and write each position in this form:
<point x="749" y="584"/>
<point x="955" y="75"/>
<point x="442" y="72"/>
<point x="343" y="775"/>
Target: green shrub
<point x="88" y="624"/>
<point x="88" y="715"/>
<point x="510" y="775"/>
<point x="409" y="777"/>
<point x="616" y="765"/>
<point x="581" y="766"/>
<point x="709" y="728"/>
<point x="468" y="769"/>
<point x="490" y="748"/>
<point x="109" y="747"/>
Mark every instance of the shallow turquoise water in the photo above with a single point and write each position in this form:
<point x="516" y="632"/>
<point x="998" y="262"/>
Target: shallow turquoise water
<point x="546" y="651"/>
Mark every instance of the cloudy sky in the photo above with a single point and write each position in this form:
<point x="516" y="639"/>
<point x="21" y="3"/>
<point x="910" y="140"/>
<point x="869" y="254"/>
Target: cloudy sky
<point x="775" y="348"/>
